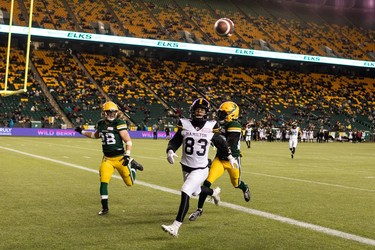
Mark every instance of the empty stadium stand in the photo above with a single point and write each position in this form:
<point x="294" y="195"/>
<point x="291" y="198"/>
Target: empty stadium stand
<point x="154" y="87"/>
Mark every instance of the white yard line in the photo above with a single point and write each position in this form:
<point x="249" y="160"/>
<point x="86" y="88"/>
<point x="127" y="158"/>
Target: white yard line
<point x="315" y="182"/>
<point x="275" y="217"/>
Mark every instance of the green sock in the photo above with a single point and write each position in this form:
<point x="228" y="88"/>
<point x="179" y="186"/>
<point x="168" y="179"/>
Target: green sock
<point x="104" y="191"/>
<point x="103" y="188"/>
<point x="242" y="186"/>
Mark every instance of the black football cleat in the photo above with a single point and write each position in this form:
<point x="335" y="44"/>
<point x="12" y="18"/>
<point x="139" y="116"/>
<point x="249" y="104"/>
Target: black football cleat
<point x="196" y="214"/>
<point x="104" y="211"/>
<point x="246" y="194"/>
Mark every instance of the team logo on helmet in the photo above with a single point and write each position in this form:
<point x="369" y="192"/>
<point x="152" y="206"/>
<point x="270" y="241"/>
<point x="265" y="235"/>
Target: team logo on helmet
<point x="228" y="111"/>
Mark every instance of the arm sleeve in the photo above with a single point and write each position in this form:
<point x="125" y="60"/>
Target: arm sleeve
<point x="233" y="139"/>
<point x="176" y="140"/>
<point x="221" y="145"/>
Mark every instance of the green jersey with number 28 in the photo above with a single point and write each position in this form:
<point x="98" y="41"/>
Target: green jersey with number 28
<point x="110" y="134"/>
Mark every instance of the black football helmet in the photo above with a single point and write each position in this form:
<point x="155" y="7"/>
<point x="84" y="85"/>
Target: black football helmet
<point x="199" y="103"/>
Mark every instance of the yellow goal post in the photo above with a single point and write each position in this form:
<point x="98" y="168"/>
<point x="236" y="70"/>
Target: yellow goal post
<point x="7" y="92"/>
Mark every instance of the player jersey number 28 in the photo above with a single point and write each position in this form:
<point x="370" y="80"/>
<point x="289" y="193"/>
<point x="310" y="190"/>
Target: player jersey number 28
<point x="108" y="138"/>
<point x="110" y="134"/>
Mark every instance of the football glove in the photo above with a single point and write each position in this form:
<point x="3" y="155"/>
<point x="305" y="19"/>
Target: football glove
<point x="135" y="165"/>
<point x="78" y="129"/>
<point x="233" y="161"/>
<point x="126" y="160"/>
<point x="170" y="156"/>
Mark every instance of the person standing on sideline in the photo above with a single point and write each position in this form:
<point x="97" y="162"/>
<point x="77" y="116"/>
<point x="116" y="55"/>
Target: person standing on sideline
<point x="231" y="129"/>
<point x="155" y="129"/>
<point x="167" y="132"/>
<point x="112" y="129"/>
<point x="248" y="135"/>
<point x="195" y="135"/>
<point x="293" y="138"/>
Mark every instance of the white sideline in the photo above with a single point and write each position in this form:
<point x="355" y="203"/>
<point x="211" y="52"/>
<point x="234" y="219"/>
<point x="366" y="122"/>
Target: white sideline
<point x="279" y="218"/>
<point x="316" y="182"/>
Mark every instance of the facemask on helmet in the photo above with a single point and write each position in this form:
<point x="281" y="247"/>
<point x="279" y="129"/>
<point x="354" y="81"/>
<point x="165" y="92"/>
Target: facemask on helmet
<point x="228" y="111"/>
<point x="199" y="109"/>
<point x="110" y="111"/>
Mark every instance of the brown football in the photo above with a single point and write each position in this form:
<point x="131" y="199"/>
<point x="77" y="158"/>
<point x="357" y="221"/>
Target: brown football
<point x="224" y="27"/>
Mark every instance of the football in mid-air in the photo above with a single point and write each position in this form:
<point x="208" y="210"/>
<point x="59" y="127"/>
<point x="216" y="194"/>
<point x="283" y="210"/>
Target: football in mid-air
<point x="224" y="27"/>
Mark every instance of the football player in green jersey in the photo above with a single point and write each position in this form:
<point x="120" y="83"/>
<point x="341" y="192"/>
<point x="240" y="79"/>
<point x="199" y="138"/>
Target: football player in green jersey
<point x="231" y="129"/>
<point x="112" y="129"/>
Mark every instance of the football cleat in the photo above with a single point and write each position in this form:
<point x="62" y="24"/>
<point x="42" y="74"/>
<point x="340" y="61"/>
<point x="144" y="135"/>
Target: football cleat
<point x="104" y="211"/>
<point x="135" y="165"/>
<point x="216" y="196"/>
<point x="196" y="214"/>
<point x="292" y="155"/>
<point x="246" y="194"/>
<point x="171" y="229"/>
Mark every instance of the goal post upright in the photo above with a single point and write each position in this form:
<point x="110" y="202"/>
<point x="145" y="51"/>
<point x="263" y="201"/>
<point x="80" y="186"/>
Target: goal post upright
<point x="28" y="45"/>
<point x="7" y="92"/>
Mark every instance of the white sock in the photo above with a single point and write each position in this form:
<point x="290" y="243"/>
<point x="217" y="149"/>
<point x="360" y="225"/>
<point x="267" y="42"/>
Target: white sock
<point x="177" y="224"/>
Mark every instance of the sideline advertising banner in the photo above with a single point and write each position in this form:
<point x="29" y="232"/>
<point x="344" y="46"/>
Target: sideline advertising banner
<point x="47" y="132"/>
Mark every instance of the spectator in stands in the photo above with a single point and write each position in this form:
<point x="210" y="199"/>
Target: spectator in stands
<point x="11" y="123"/>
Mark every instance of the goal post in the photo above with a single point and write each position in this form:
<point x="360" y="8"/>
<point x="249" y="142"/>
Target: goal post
<point x="7" y="92"/>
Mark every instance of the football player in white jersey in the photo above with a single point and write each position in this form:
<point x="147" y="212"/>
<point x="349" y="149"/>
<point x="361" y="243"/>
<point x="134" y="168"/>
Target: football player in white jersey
<point x="227" y="116"/>
<point x="195" y="135"/>
<point x="248" y="135"/>
<point x="293" y="138"/>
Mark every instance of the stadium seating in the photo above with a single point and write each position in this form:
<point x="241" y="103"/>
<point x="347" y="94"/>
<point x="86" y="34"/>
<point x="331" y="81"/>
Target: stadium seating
<point x="69" y="85"/>
<point x="18" y="18"/>
<point x="277" y="26"/>
<point x="155" y="90"/>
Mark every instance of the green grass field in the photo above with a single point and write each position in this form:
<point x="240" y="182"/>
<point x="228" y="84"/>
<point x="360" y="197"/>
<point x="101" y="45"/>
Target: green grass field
<point x="324" y="198"/>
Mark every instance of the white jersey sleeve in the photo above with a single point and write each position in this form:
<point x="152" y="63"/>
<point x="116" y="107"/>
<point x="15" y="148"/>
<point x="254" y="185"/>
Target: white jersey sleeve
<point x="196" y="143"/>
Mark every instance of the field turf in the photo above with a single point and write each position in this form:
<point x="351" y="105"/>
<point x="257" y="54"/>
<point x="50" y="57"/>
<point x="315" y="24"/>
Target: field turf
<point x="324" y="198"/>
